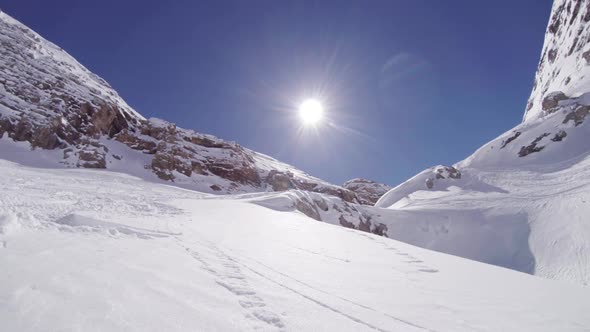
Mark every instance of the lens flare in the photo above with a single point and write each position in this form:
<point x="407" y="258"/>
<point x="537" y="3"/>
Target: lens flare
<point x="311" y="112"/>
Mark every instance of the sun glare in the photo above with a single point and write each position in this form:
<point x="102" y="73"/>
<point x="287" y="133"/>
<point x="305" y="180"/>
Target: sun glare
<point x="311" y="112"/>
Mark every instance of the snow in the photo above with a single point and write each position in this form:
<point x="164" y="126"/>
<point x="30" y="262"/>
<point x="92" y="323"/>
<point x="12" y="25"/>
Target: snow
<point x="98" y="251"/>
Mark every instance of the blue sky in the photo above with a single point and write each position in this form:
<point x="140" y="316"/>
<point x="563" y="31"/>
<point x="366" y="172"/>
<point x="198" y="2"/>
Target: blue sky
<point x="407" y="84"/>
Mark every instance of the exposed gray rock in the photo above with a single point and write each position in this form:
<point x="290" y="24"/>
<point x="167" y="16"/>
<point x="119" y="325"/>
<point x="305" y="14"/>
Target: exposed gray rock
<point x="367" y="191"/>
<point x="578" y="115"/>
<point x="551" y="101"/>
<point x="559" y="136"/>
<point x="510" y="139"/>
<point x="533" y="147"/>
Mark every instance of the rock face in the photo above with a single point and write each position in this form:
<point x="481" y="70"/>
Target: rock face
<point x="442" y="172"/>
<point x="564" y="68"/>
<point x="51" y="101"/>
<point x="367" y="191"/>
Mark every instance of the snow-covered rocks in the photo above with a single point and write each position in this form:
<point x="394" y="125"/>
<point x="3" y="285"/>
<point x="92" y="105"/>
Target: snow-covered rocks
<point x="564" y="66"/>
<point x="330" y="209"/>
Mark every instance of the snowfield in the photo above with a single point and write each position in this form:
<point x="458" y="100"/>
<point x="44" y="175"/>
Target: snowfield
<point x="85" y="250"/>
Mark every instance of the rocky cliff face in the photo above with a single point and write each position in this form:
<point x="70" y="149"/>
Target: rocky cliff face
<point x="564" y="68"/>
<point x="367" y="191"/>
<point x="54" y="103"/>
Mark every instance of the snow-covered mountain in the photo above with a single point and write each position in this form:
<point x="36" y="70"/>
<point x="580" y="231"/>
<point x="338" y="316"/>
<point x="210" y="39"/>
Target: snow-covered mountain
<point x="522" y="200"/>
<point x="52" y="102"/>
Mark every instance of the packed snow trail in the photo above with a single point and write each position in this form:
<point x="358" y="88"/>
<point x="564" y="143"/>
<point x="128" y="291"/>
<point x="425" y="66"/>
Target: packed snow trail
<point x="100" y="251"/>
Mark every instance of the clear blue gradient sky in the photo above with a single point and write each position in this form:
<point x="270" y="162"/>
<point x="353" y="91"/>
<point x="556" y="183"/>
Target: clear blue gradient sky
<point x="408" y="84"/>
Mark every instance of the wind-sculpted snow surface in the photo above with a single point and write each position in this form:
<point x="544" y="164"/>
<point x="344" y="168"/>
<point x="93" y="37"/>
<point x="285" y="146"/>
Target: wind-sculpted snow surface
<point x="104" y="251"/>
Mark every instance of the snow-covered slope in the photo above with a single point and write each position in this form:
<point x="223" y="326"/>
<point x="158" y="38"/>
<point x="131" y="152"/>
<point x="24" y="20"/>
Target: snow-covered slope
<point x="522" y="200"/>
<point x="50" y="101"/>
<point x="172" y="259"/>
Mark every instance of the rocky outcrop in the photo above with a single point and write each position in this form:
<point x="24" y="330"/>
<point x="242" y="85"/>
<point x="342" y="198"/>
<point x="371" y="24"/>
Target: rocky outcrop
<point x="577" y="115"/>
<point x="367" y="191"/>
<point x="440" y="173"/>
<point x="533" y="147"/>
<point x="510" y="139"/>
<point x="551" y="101"/>
<point x="281" y="181"/>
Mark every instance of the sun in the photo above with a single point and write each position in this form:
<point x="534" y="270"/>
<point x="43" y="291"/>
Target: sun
<point x="311" y="112"/>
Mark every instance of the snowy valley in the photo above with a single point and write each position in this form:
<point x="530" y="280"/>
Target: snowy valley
<point x="113" y="222"/>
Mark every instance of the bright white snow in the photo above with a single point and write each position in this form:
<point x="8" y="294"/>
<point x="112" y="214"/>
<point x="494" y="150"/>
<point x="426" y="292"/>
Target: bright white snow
<point x="101" y="251"/>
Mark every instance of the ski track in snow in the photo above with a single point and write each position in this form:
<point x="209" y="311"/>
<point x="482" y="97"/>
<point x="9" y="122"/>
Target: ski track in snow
<point x="229" y="275"/>
<point x="323" y="304"/>
<point x="330" y="307"/>
<point x="311" y="288"/>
